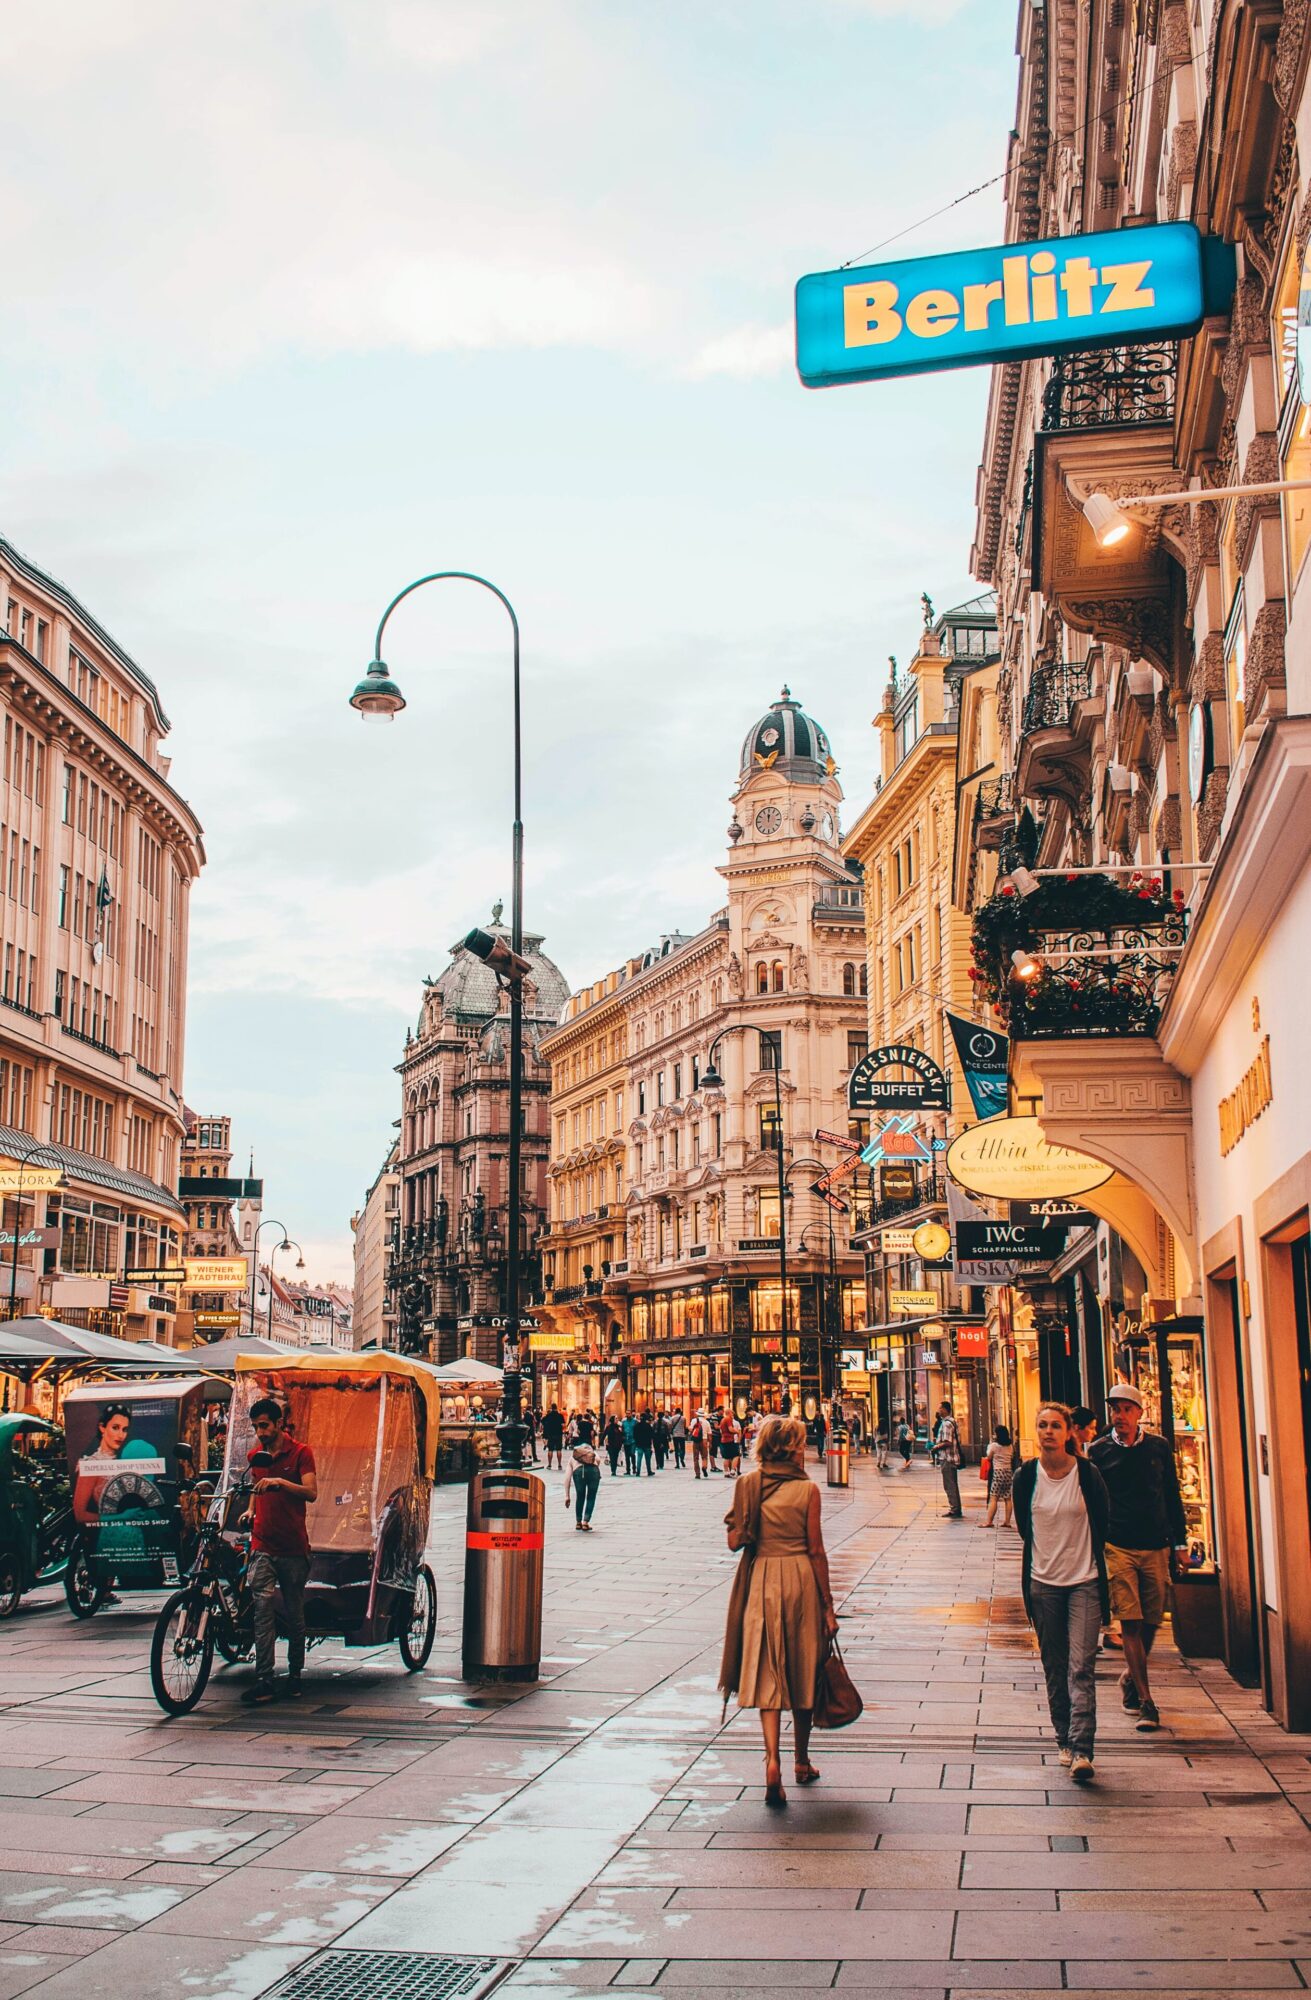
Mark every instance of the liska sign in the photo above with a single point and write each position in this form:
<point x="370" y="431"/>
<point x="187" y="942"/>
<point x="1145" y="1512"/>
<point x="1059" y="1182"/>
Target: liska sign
<point x="1008" y="301"/>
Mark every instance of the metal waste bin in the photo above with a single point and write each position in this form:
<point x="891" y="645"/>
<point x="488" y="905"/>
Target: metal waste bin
<point x="839" y="1458"/>
<point x="503" y="1577"/>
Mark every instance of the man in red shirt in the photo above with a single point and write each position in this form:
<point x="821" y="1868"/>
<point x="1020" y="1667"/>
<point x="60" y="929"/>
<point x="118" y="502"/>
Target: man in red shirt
<point x="279" y="1548"/>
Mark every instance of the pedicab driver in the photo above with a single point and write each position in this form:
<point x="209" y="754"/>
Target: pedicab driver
<point x="279" y="1548"/>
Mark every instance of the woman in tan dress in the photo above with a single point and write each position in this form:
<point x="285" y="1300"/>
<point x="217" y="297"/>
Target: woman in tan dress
<point x="782" y="1604"/>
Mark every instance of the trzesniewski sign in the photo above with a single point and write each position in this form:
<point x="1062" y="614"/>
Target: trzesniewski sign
<point x="1008" y="301"/>
<point x="925" y="1089"/>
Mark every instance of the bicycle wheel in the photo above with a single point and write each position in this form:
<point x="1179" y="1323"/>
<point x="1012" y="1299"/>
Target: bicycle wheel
<point x="417" y="1639"/>
<point x="180" y="1658"/>
<point x="84" y="1593"/>
<point x="11" y="1586"/>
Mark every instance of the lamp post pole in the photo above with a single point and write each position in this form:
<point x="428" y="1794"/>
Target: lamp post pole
<point x="24" y="1162"/>
<point x="254" y="1262"/>
<point x="286" y="1244"/>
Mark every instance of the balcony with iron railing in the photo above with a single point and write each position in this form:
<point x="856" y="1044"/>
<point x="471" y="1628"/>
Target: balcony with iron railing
<point x="1083" y="955"/>
<point x="1109" y="388"/>
<point x="994" y="810"/>
<point x="1054" y="754"/>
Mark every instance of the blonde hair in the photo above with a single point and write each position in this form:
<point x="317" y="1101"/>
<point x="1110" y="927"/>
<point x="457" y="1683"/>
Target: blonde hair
<point x="1061" y="1409"/>
<point x="780" y="1438"/>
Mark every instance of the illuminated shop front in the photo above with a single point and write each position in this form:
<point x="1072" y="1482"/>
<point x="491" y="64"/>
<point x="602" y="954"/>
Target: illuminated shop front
<point x="730" y="1341"/>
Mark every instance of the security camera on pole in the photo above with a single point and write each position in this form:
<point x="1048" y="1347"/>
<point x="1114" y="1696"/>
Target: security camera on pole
<point x="502" y="1638"/>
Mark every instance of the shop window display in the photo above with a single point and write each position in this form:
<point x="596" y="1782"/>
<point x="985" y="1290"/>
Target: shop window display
<point x="1169" y="1371"/>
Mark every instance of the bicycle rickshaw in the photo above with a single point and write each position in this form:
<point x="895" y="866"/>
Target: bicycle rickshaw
<point x="36" y="1518"/>
<point x="132" y="1450"/>
<point x="371" y="1421"/>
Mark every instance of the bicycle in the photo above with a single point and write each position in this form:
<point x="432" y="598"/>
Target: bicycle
<point x="212" y="1611"/>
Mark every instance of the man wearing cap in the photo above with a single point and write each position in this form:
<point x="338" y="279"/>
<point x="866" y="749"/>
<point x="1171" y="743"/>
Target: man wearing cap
<point x="1146" y="1521"/>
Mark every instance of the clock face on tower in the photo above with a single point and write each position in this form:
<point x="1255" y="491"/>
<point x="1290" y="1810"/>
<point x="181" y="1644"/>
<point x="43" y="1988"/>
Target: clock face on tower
<point x="768" y="820"/>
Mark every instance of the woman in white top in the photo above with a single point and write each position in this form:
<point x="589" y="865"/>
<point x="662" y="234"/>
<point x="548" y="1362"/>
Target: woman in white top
<point x="1061" y="1510"/>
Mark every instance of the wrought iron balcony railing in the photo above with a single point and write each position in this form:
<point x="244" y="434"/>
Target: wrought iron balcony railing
<point x="994" y="797"/>
<point x="1110" y="388"/>
<point x="1055" y="690"/>
<point x="1098" y="982"/>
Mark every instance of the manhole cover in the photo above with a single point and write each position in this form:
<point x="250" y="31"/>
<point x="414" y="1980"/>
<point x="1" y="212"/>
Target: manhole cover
<point x="389" y="1975"/>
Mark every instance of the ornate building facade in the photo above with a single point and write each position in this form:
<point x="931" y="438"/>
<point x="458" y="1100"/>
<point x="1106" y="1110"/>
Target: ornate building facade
<point x="688" y="1308"/>
<point x="98" y="853"/>
<point x="447" y="1277"/>
<point x="1153" y="781"/>
<point x="223" y="1215"/>
<point x="375" y="1227"/>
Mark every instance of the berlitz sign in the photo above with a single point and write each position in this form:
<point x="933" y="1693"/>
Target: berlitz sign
<point x="925" y="1089"/>
<point x="1007" y="301"/>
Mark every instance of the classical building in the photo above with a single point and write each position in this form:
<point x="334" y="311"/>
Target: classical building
<point x="375" y="1227"/>
<point x="448" y="1272"/>
<point x="223" y="1215"/>
<point x="664" y="1188"/>
<point x="97" y="857"/>
<point x="1150" y="801"/>
<point x="918" y="952"/>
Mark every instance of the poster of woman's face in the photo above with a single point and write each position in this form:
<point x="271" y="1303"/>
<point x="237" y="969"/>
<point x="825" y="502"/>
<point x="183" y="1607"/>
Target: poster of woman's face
<point x="120" y="1454"/>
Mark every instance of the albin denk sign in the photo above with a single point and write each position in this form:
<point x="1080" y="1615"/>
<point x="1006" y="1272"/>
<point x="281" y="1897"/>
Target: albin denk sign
<point x="1009" y="1157"/>
<point x="1013" y="299"/>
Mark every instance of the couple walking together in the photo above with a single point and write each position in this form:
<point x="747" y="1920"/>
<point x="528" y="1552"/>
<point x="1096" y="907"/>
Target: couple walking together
<point x="780" y="1614"/>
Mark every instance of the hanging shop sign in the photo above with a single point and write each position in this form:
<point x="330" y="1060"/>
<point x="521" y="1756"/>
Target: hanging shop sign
<point x="1069" y="1214"/>
<point x="985" y="1059"/>
<point x="971" y="1343"/>
<point x="30" y="1239"/>
<point x="1009" y="300"/>
<point x="18" y="1179"/>
<point x="155" y="1274"/>
<point x="213" y="1322"/>
<point x="545" y="1343"/>
<point x="912" y="1302"/>
<point x="834" y="1201"/>
<point x="1010" y="1157"/>
<point x="898" y="1139"/>
<point x="897" y="1181"/>
<point x="843" y="1139"/>
<point x="897" y="1242"/>
<point x="216" y="1274"/>
<point x="925" y="1089"/>
<point x="1012" y="1242"/>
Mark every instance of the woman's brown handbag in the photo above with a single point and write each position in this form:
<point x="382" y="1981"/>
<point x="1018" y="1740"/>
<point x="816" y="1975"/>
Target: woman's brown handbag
<point x="837" y="1701"/>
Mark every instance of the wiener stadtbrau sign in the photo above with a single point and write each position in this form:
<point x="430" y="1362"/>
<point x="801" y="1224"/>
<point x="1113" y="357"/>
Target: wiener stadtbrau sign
<point x="998" y="304"/>
<point x="926" y="1089"/>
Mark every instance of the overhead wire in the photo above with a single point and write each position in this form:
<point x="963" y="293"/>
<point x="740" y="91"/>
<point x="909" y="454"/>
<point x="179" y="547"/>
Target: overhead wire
<point x="1006" y="172"/>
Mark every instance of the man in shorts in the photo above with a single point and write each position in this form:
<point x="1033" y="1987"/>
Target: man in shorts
<point x="1146" y="1521"/>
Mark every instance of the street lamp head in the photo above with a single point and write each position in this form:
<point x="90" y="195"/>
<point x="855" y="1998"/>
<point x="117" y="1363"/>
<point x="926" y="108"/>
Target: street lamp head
<point x="711" y="1079"/>
<point x="377" y="697"/>
<point x="1109" y="524"/>
<point x="496" y="952"/>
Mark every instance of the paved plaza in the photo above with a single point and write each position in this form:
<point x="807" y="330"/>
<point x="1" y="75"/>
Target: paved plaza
<point x="603" y="1829"/>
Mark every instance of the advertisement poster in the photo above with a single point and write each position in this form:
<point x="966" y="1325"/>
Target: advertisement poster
<point x="125" y="1480"/>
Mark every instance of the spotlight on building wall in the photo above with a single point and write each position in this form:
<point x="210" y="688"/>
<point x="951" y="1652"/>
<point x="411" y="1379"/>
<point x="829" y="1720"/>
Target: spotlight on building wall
<point x="494" y="951"/>
<point x="1026" y="966"/>
<point x="1110" y="527"/>
<point x="1024" y="881"/>
<point x="377" y="697"/>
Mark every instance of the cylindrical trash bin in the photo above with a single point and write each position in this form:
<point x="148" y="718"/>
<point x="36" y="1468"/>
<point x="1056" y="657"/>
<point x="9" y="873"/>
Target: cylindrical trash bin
<point x="839" y="1459"/>
<point x="503" y="1577"/>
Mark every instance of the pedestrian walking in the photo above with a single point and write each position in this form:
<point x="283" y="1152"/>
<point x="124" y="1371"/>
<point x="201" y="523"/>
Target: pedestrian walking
<point x="856" y="1431"/>
<point x="532" y="1424"/>
<point x="643" y="1443"/>
<point x="781" y="1609"/>
<point x="630" y="1449"/>
<point x="1083" y="1428"/>
<point x="660" y="1437"/>
<point x="946" y="1452"/>
<point x="712" y="1442"/>
<point x="1146" y="1521"/>
<point x="586" y="1481"/>
<point x="1001" y="1474"/>
<point x="701" y="1445"/>
<point x="279" y="1548"/>
<point x="730" y="1444"/>
<point x="905" y="1443"/>
<point x="553" y="1436"/>
<point x="614" y="1443"/>
<point x="818" y="1434"/>
<point x="584" y="1424"/>
<point x="678" y="1439"/>
<point x="1062" y="1507"/>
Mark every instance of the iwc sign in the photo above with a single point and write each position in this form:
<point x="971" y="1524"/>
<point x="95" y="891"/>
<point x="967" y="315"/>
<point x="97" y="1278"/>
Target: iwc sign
<point x="924" y="1089"/>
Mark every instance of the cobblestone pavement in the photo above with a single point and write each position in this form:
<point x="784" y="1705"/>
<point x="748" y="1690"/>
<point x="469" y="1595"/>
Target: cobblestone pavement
<point x="604" y="1830"/>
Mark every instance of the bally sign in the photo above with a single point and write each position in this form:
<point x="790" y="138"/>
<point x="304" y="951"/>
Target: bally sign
<point x="925" y="1089"/>
<point x="1007" y="301"/>
<point x="1013" y="1242"/>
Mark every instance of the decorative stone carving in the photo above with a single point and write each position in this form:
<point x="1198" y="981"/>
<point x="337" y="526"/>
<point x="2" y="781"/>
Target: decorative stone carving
<point x="1291" y="53"/>
<point x="1206" y="681"/>
<point x="1210" y="813"/>
<point x="1260" y="465"/>
<point x="1265" y="658"/>
<point x="1142" y="625"/>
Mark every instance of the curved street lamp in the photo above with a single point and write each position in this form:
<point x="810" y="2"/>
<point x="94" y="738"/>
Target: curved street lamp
<point x="24" y="1161"/>
<point x="377" y="698"/>
<point x="712" y="1080"/>
<point x="271" y="1223"/>
<point x="286" y="1244"/>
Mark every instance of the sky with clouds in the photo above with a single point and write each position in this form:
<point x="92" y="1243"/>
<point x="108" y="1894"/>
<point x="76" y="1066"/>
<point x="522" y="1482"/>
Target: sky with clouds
<point x="304" y="300"/>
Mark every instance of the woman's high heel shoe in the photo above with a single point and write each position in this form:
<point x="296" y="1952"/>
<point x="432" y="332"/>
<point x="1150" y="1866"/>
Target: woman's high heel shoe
<point x="806" y="1774"/>
<point x="775" y="1797"/>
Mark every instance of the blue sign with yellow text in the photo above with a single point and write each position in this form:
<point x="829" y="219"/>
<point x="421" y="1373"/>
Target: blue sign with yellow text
<point x="1015" y="299"/>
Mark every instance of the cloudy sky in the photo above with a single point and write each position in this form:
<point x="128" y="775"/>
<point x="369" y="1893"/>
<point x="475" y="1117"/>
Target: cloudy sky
<point x="305" y="299"/>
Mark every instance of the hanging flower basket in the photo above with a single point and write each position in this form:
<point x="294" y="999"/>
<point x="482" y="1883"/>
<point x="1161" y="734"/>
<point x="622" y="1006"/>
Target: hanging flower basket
<point x="1108" y="972"/>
